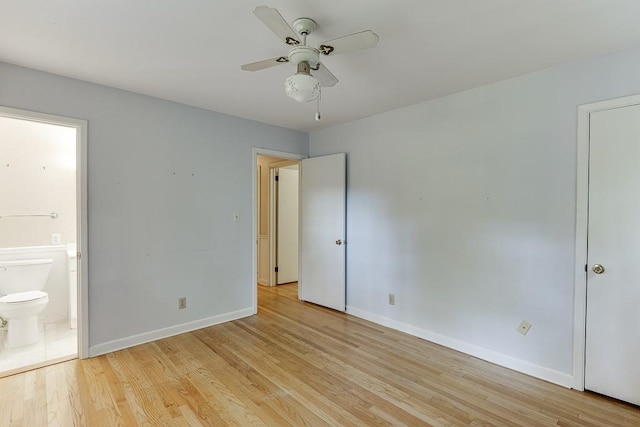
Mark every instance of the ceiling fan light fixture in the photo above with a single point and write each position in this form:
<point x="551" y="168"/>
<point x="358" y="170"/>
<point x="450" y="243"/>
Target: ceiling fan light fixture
<point x="302" y="87"/>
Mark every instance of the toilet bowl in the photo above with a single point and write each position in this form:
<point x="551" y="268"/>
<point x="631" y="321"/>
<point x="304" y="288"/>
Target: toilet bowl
<point x="21" y="311"/>
<point x="21" y="283"/>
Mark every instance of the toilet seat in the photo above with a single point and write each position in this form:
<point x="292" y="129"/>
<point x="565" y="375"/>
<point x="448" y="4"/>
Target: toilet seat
<point x="22" y="297"/>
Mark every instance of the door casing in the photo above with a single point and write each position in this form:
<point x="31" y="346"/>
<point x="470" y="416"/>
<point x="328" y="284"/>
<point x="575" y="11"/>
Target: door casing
<point x="254" y="211"/>
<point x="582" y="205"/>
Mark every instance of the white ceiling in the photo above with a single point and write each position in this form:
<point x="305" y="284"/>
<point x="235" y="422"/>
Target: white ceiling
<point x="190" y="51"/>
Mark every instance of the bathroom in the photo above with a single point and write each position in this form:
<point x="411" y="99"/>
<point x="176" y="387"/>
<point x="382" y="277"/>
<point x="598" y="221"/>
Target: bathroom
<point x="38" y="221"/>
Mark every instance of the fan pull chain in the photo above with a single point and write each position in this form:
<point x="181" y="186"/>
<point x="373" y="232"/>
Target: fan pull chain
<point x="318" y="106"/>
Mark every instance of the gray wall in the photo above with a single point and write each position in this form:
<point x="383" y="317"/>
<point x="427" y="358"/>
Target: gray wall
<point x="464" y="207"/>
<point x="164" y="180"/>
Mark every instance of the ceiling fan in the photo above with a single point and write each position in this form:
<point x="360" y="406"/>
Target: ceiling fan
<point x="305" y="85"/>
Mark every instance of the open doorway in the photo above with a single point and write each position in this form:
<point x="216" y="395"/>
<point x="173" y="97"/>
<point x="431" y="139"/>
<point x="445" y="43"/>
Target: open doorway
<point x="322" y="227"/>
<point x="277" y="220"/>
<point x="42" y="186"/>
<point x="286" y="223"/>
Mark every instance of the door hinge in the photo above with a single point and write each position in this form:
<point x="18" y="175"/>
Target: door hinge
<point x="276" y="269"/>
<point x="585" y="268"/>
<point x="79" y="255"/>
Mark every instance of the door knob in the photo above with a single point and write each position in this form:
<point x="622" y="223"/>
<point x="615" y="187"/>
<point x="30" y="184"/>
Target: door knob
<point x="338" y="242"/>
<point x="597" y="268"/>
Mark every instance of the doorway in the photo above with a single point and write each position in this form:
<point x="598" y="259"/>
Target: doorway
<point x="277" y="224"/>
<point x="43" y="218"/>
<point x="605" y="342"/>
<point x="286" y="223"/>
<point x="322" y="228"/>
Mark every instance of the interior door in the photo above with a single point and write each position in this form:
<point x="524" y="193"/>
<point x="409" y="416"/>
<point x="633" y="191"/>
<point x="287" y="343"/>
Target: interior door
<point x="287" y="228"/>
<point x="323" y="231"/>
<point x="613" y="269"/>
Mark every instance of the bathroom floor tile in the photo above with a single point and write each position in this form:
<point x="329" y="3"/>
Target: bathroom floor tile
<point x="57" y="341"/>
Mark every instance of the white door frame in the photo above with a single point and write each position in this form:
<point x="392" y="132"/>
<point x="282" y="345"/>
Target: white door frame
<point x="254" y="211"/>
<point x="81" y="206"/>
<point x="273" y="227"/>
<point x="582" y="206"/>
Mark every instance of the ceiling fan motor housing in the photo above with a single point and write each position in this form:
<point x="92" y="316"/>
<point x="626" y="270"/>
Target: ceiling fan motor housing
<point x="308" y="54"/>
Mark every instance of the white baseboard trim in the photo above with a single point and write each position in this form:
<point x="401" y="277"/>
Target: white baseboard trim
<point x="146" y="337"/>
<point x="528" y="368"/>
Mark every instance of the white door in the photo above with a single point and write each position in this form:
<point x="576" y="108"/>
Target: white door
<point x="322" y="239"/>
<point x="613" y="271"/>
<point x="287" y="228"/>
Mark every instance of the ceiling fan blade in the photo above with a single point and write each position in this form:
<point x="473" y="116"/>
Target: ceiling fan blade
<point x="276" y="23"/>
<point x="350" y="43"/>
<point x="261" y="65"/>
<point x="324" y="76"/>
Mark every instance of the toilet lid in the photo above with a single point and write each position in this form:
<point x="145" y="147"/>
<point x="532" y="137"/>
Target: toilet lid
<point x="23" y="297"/>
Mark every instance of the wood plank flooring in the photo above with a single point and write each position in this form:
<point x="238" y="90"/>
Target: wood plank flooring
<point x="295" y="364"/>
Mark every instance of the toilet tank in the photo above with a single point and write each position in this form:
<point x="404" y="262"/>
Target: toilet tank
<point x="24" y="275"/>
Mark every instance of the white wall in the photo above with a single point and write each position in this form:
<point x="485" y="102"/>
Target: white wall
<point x="164" y="180"/>
<point x="464" y="207"/>
<point x="37" y="176"/>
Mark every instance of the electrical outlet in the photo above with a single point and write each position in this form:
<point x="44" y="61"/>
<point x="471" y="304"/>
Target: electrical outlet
<point x="392" y="299"/>
<point x="56" y="238"/>
<point x="524" y="327"/>
<point x="182" y="303"/>
<point x="236" y="217"/>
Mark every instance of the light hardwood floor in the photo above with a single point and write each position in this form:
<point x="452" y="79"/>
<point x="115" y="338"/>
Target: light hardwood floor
<point x="295" y="364"/>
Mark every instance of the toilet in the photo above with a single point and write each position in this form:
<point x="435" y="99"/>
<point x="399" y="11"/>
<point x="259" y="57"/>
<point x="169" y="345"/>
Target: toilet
<point x="21" y="284"/>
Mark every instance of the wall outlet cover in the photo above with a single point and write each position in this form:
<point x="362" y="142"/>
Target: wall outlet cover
<point x="392" y="299"/>
<point x="524" y="327"/>
<point x="182" y="303"/>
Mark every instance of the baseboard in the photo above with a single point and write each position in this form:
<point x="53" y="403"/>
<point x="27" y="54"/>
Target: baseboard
<point x="528" y="368"/>
<point x="146" y="337"/>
